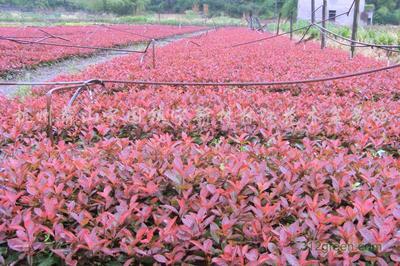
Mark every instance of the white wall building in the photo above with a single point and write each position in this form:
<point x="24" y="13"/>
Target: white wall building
<point x="335" y="7"/>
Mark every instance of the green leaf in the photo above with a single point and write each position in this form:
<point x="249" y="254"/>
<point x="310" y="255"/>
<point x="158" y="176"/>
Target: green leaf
<point x="48" y="261"/>
<point x="114" y="263"/>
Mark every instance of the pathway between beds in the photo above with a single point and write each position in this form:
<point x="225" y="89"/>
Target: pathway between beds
<point x="78" y="64"/>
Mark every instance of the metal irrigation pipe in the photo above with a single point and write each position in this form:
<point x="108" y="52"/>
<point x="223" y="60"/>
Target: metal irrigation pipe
<point x="305" y="34"/>
<point x="215" y="84"/>
<point x="49" y="97"/>
<point x="267" y="38"/>
<point x="80" y="84"/>
<point x="76" y="46"/>
<point x="125" y="31"/>
<point x="154" y="52"/>
<point x="201" y="35"/>
<point x="148" y="37"/>
<point x="85" y="86"/>
<point x="54" y="36"/>
<point x="357" y="44"/>
<point x="295" y="30"/>
<point x="22" y="37"/>
<point x="315" y="11"/>
<point x="248" y="84"/>
<point x="42" y="39"/>
<point x="355" y="41"/>
<point x="343" y="43"/>
<point x="340" y="42"/>
<point x="47" y="33"/>
<point x="40" y="42"/>
<point x="55" y="83"/>
<point x="76" y="94"/>
<point x="195" y="43"/>
<point x="388" y="50"/>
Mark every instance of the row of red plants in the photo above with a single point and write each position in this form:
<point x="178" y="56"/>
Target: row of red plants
<point x="233" y="202"/>
<point x="299" y="175"/>
<point x="372" y="125"/>
<point x="14" y="56"/>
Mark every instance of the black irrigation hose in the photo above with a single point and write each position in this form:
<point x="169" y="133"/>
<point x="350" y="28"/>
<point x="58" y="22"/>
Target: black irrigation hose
<point x="214" y="84"/>
<point x="128" y="32"/>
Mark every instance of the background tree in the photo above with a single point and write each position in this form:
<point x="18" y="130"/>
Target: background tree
<point x="386" y="11"/>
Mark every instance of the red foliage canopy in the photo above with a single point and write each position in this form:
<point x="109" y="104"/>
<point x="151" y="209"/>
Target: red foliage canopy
<point x="228" y="176"/>
<point x="14" y="56"/>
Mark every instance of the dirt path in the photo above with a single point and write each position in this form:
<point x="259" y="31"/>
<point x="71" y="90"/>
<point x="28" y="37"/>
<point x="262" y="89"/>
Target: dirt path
<point x="76" y="65"/>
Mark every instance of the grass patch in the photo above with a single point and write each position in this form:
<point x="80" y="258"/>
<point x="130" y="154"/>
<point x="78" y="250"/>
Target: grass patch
<point x="19" y="18"/>
<point x="23" y="91"/>
<point x="387" y="35"/>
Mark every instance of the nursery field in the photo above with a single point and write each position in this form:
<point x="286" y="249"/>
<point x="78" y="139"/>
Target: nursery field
<point x="205" y="174"/>
<point x="22" y="47"/>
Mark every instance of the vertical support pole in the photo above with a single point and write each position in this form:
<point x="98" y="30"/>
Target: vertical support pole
<point x="154" y="52"/>
<point x="279" y="22"/>
<point x="251" y="20"/>
<point x="323" y="33"/>
<point x="159" y="18"/>
<point x="291" y="25"/>
<point x="49" y="120"/>
<point x="312" y="11"/>
<point x="355" y="27"/>
<point x="388" y="57"/>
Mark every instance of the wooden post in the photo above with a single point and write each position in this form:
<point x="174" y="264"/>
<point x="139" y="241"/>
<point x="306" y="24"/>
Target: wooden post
<point x="154" y="53"/>
<point x="355" y="27"/>
<point x="251" y="20"/>
<point x="105" y="6"/>
<point x="279" y="22"/>
<point x="196" y="7"/>
<point x="291" y="25"/>
<point x="205" y="9"/>
<point x="323" y="33"/>
<point x="312" y="11"/>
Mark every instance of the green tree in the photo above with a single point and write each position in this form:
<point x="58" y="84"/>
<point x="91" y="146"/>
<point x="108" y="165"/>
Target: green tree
<point x="386" y="11"/>
<point x="141" y="5"/>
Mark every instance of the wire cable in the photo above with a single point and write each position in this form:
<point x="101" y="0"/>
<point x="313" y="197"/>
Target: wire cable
<point x="213" y="84"/>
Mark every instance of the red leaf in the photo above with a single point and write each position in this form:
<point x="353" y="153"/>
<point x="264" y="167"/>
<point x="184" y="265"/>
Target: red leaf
<point x="18" y="245"/>
<point x="160" y="258"/>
